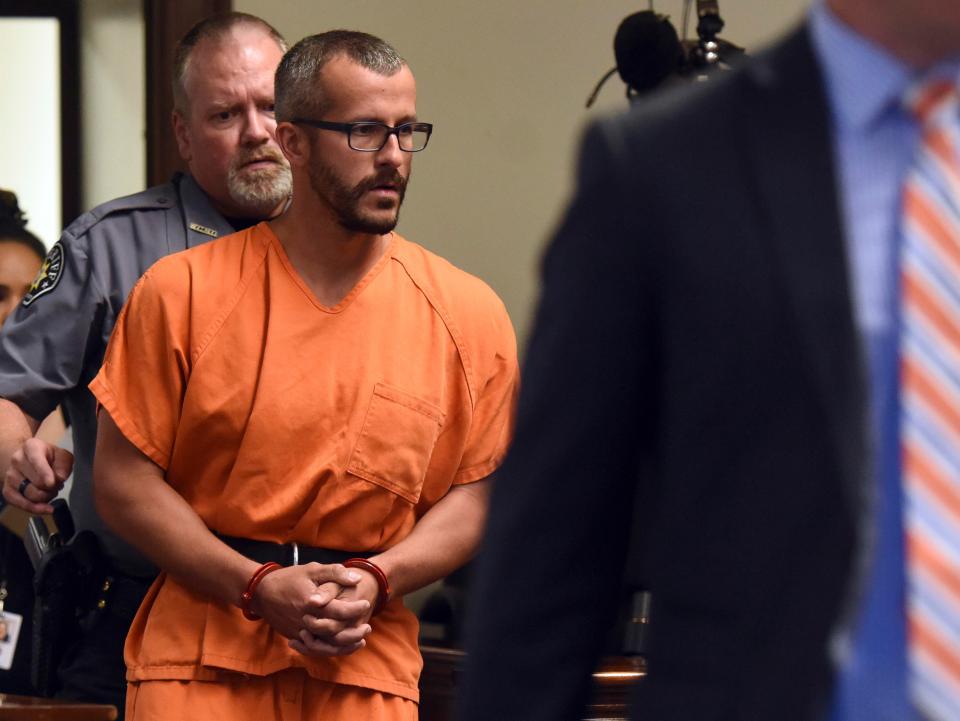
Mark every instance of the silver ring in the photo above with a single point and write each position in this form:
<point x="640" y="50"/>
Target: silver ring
<point x="23" y="487"/>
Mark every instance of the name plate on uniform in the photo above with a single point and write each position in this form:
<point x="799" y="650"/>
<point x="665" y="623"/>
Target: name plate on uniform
<point x="203" y="229"/>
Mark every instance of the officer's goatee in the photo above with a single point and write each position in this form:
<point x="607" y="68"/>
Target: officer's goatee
<point x="259" y="190"/>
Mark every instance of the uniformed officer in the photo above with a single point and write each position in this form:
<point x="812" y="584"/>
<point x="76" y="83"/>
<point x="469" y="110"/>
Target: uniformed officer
<point x="54" y="343"/>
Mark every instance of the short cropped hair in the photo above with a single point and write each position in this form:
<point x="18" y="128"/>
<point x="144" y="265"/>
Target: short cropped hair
<point x="213" y="28"/>
<point x="297" y="92"/>
<point x="13" y="225"/>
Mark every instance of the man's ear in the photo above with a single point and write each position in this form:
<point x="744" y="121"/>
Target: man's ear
<point x="181" y="131"/>
<point x="294" y="143"/>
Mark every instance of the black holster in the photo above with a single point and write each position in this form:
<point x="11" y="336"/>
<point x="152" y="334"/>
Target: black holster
<point x="68" y="582"/>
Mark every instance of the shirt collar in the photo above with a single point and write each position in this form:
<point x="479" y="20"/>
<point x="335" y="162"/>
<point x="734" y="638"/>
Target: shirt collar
<point x="203" y="221"/>
<point x="863" y="80"/>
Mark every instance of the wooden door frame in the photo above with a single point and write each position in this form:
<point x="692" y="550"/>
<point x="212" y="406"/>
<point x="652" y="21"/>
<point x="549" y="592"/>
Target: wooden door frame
<point x="165" y="23"/>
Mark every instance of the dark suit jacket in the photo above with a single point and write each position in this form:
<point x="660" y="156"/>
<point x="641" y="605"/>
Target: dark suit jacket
<point x="695" y="357"/>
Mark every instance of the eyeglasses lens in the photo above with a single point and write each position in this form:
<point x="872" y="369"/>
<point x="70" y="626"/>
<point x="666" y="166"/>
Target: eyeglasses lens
<point x="374" y="137"/>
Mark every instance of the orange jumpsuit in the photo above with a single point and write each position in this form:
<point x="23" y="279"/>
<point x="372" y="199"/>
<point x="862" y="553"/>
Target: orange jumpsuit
<point x="280" y="419"/>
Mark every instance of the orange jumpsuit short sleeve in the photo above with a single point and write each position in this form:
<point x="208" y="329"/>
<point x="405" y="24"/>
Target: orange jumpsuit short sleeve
<point x="145" y="372"/>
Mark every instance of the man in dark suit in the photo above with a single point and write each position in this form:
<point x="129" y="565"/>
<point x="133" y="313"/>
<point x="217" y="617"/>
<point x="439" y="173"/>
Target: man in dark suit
<point x="705" y="384"/>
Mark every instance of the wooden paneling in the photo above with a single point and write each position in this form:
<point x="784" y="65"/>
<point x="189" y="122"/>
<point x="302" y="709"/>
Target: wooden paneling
<point x="166" y="22"/>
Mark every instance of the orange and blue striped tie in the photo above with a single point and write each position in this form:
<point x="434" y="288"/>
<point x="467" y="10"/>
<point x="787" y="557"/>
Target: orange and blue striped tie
<point x="930" y="398"/>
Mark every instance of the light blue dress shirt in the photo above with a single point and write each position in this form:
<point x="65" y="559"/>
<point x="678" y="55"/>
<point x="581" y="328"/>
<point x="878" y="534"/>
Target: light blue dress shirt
<point x="874" y="141"/>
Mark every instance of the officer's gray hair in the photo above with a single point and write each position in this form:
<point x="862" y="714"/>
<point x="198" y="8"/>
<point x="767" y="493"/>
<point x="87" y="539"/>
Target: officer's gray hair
<point x="296" y="90"/>
<point x="213" y="28"/>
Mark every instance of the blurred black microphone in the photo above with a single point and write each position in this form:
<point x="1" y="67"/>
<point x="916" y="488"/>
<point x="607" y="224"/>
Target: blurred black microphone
<point x="647" y="51"/>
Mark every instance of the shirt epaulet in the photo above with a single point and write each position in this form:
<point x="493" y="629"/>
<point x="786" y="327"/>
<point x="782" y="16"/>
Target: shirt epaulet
<point x="162" y="197"/>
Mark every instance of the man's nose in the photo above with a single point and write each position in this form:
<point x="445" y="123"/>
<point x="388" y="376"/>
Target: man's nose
<point x="390" y="153"/>
<point x="258" y="127"/>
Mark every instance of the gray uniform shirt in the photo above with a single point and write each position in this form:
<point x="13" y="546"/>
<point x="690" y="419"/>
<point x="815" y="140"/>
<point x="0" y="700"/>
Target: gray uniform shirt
<point x="53" y="345"/>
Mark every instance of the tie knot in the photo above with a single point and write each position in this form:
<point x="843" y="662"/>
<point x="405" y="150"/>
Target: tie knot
<point x="933" y="101"/>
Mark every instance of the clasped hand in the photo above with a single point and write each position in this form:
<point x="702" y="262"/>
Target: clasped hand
<point x="323" y="609"/>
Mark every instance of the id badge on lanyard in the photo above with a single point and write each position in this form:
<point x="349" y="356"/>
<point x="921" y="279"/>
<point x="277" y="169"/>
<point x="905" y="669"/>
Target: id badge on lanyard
<point x="9" y="631"/>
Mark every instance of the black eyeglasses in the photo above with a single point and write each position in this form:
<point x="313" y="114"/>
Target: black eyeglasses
<point x="370" y="137"/>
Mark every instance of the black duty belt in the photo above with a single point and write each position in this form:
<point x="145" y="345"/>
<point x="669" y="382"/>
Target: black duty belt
<point x="288" y="554"/>
<point x="123" y="594"/>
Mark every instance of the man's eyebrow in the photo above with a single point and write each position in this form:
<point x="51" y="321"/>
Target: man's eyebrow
<point x="222" y="104"/>
<point x="367" y="119"/>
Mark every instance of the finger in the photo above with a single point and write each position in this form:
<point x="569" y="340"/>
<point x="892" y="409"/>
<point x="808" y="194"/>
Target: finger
<point x="37" y="456"/>
<point x="339" y="609"/>
<point x="337" y="631"/>
<point x="62" y="464"/>
<point x="11" y="493"/>
<point x="323" y="650"/>
<point x="35" y="495"/>
<point x="322" y="627"/>
<point x="332" y="572"/>
<point x="345" y="638"/>
<point x="324" y="594"/>
<point x="350" y="636"/>
<point x="309" y="645"/>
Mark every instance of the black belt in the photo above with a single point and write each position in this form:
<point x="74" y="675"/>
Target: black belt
<point x="288" y="554"/>
<point x="123" y="594"/>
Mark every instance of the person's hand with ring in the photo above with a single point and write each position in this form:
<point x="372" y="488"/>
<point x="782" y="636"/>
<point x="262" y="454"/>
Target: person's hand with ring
<point x="35" y="476"/>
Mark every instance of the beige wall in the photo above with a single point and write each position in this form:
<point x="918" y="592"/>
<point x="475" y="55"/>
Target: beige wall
<point x="504" y="82"/>
<point x="112" y="111"/>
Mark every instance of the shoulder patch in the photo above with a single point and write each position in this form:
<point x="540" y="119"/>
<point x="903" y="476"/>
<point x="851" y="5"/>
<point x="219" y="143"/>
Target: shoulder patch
<point x="49" y="276"/>
<point x="204" y="229"/>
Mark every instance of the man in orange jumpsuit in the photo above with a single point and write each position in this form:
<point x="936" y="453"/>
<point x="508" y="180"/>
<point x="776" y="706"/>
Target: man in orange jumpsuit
<point x="318" y="382"/>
